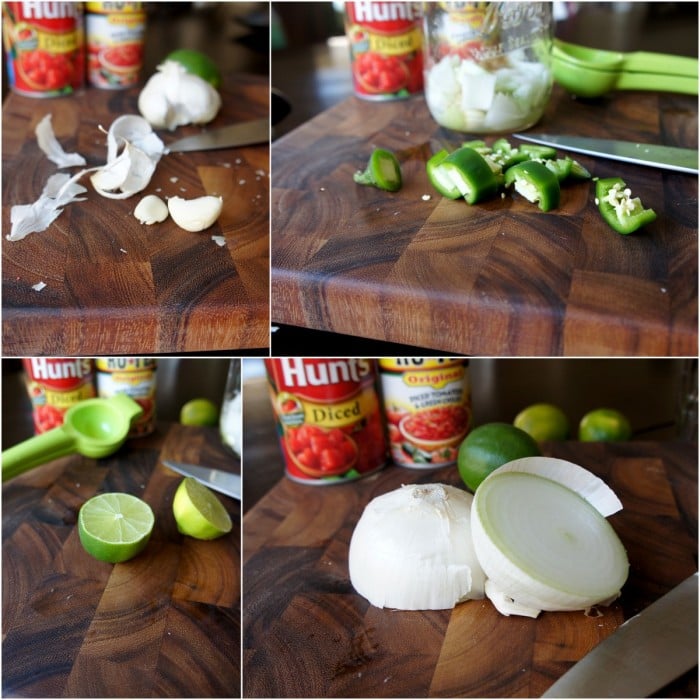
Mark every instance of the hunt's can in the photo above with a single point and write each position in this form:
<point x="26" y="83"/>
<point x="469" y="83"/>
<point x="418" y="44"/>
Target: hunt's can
<point x="135" y="377"/>
<point x="386" y="48"/>
<point x="54" y="385"/>
<point x="328" y="418"/>
<point x="427" y="403"/>
<point x="115" y="33"/>
<point x="44" y="46"/>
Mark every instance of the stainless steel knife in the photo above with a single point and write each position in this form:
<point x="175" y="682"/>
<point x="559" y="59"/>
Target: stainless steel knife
<point x="243" y="134"/>
<point x="684" y="160"/>
<point x="644" y="654"/>
<point x="217" y="479"/>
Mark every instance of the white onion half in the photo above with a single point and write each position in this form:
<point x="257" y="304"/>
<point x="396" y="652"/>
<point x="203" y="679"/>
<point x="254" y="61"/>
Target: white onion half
<point x="412" y="549"/>
<point x="541" y="536"/>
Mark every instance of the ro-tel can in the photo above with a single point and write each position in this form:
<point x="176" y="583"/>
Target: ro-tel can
<point x="386" y="48"/>
<point x="44" y="46"/>
<point x="115" y="33"/>
<point x="328" y="418"/>
<point x="427" y="402"/>
<point x="135" y="377"/>
<point x="54" y="385"/>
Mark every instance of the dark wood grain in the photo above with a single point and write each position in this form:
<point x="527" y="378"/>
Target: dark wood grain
<point x="115" y="286"/>
<point x="498" y="278"/>
<point x="306" y="633"/>
<point x="165" y="624"/>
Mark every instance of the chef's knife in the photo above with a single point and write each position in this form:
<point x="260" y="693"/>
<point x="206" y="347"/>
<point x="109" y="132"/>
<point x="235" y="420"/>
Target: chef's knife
<point x="683" y="160"/>
<point x="224" y="482"/>
<point x="644" y="654"/>
<point x="243" y="134"/>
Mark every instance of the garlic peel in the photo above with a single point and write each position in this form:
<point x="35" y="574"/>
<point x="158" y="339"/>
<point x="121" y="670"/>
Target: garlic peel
<point x="195" y="214"/>
<point x="411" y="549"/>
<point x="48" y="143"/>
<point x="151" y="210"/>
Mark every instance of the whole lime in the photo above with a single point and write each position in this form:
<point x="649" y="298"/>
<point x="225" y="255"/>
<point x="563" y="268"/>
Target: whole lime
<point x="199" y="412"/>
<point x="197" y="63"/>
<point x="604" y="425"/>
<point x="543" y="421"/>
<point x="490" y="446"/>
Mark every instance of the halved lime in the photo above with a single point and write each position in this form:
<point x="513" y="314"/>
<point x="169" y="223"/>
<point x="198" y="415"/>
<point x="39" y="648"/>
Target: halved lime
<point x="199" y="412"/>
<point x="198" y="512"/>
<point x="197" y="63"/>
<point x="115" y="527"/>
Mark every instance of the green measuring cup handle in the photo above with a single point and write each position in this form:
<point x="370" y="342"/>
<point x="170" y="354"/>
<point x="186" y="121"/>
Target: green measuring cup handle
<point x="667" y="64"/>
<point x="662" y="83"/>
<point x="37" y="450"/>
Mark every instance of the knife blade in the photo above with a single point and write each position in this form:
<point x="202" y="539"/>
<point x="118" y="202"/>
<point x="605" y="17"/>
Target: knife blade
<point x="644" y="654"/>
<point x="217" y="479"/>
<point x="243" y="134"/>
<point x="683" y="160"/>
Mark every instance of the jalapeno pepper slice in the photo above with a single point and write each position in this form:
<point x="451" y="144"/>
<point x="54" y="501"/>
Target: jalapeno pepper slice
<point x="440" y="178"/>
<point x="471" y="174"/>
<point x="536" y="182"/>
<point x="382" y="171"/>
<point x="624" y="213"/>
<point x="534" y="150"/>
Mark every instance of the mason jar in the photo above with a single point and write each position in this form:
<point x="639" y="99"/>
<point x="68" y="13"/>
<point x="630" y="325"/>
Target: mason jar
<point x="487" y="64"/>
<point x="231" y="416"/>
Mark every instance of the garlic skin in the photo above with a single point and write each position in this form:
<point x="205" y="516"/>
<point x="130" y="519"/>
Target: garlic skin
<point x="195" y="214"/>
<point x="151" y="210"/>
<point x="412" y="549"/>
<point x="173" y="97"/>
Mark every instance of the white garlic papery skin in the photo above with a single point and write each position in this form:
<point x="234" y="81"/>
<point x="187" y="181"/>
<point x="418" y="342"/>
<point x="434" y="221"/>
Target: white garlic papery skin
<point x="412" y="549"/>
<point x="173" y="97"/>
<point x="151" y="210"/>
<point x="195" y="214"/>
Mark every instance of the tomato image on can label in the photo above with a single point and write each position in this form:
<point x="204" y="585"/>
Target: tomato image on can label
<point x="427" y="404"/>
<point x="328" y="418"/>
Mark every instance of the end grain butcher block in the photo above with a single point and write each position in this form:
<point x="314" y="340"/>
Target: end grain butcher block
<point x="496" y="278"/>
<point x="164" y="624"/>
<point x="306" y="633"/>
<point x="114" y="285"/>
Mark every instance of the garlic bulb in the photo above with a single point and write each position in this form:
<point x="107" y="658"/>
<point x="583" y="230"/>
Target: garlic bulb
<point x="412" y="549"/>
<point x="151" y="210"/>
<point x="195" y="214"/>
<point x="173" y="97"/>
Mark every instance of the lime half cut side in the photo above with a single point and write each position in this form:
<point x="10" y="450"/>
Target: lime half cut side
<point x="198" y="512"/>
<point x="115" y="527"/>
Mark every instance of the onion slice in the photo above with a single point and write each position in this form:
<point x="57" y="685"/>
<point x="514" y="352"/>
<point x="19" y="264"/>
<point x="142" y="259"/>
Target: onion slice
<point x="412" y="549"/>
<point x="541" y="536"/>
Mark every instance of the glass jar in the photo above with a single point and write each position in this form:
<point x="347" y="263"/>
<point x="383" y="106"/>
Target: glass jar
<point x="487" y="64"/>
<point x="231" y="421"/>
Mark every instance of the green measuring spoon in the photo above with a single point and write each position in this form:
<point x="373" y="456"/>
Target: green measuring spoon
<point x="93" y="428"/>
<point x="594" y="72"/>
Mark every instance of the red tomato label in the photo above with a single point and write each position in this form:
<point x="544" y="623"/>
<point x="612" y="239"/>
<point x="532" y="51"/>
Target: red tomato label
<point x="386" y="41"/>
<point x="54" y="385"/>
<point x="427" y="405"/>
<point x="44" y="45"/>
<point x="328" y="418"/>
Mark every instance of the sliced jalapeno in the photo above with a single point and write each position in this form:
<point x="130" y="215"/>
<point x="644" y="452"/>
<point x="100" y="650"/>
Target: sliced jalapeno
<point x="382" y="171"/>
<point x="440" y="178"/>
<point x="623" y="213"/>
<point x="471" y="174"/>
<point x="536" y="182"/>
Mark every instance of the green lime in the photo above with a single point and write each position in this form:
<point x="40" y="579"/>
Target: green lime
<point x="604" y="425"/>
<point x="199" y="412"/>
<point x="197" y="63"/>
<point x="543" y="421"/>
<point x="115" y="527"/>
<point x="198" y="512"/>
<point x="490" y="446"/>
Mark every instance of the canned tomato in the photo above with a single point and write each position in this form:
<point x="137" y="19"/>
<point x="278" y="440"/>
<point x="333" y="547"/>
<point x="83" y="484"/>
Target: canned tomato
<point x="56" y="384"/>
<point x="328" y="417"/>
<point x="115" y="33"/>
<point x="386" y="48"/>
<point x="427" y="402"/>
<point x="44" y="47"/>
<point x="135" y="377"/>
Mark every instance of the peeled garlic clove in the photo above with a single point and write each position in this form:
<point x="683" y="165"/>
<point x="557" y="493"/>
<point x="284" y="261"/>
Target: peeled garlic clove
<point x="151" y="210"/>
<point x="195" y="214"/>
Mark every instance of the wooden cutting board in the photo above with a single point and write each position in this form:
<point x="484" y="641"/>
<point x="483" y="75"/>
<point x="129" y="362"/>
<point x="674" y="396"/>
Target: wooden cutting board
<point x="306" y="633"/>
<point x="498" y="278"/>
<point x="165" y="624"/>
<point x="113" y="285"/>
